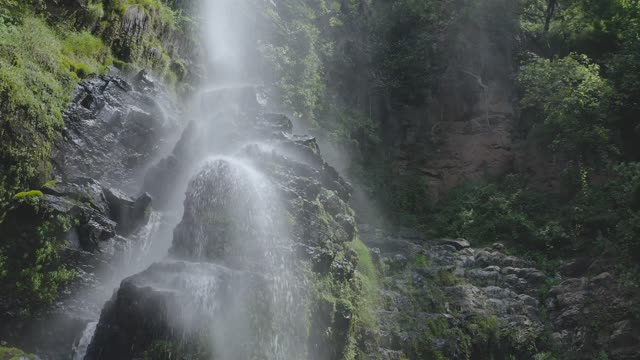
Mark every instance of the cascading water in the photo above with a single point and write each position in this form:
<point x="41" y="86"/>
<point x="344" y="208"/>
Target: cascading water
<point x="235" y="219"/>
<point x="230" y="267"/>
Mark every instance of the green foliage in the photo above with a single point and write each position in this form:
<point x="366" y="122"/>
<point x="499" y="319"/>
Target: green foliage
<point x="504" y="211"/>
<point x="370" y="285"/>
<point x="608" y="216"/>
<point x="34" y="90"/>
<point x="294" y="56"/>
<point x="50" y="183"/>
<point x="95" y="11"/>
<point x="167" y="15"/>
<point x="85" y="53"/>
<point x="14" y="11"/>
<point x="404" y="33"/>
<point x="403" y="198"/>
<point x="544" y="356"/>
<point x="570" y="101"/>
<point x="356" y="299"/>
<point x="7" y="353"/>
<point x="599" y="219"/>
<point x="31" y="266"/>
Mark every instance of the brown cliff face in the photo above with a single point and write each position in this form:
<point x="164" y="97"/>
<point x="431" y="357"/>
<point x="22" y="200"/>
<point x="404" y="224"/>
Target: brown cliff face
<point x="465" y="129"/>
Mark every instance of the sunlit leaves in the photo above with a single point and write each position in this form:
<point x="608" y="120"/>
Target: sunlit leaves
<point x="570" y="101"/>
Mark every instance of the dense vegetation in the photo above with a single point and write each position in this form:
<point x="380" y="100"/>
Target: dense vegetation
<point x="578" y="90"/>
<point x="577" y="101"/>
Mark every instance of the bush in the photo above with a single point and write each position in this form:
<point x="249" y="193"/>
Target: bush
<point x="39" y="67"/>
<point x="30" y="254"/>
<point x="569" y="101"/>
<point x="34" y="90"/>
<point x="507" y="211"/>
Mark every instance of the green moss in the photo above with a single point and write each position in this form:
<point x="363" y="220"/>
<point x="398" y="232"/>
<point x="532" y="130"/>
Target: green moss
<point x="368" y="276"/>
<point x="28" y="195"/>
<point x="421" y="261"/>
<point x="96" y="11"/>
<point x="34" y="90"/>
<point x="50" y="183"/>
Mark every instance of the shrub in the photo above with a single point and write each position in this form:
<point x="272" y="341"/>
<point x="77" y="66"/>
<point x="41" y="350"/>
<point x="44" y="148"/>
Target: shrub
<point x="34" y="90"/>
<point x="569" y="100"/>
<point x="31" y="266"/>
<point x="39" y="67"/>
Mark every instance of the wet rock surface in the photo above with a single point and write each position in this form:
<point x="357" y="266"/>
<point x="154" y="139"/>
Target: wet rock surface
<point x="139" y="313"/>
<point x="113" y="128"/>
<point x="82" y="215"/>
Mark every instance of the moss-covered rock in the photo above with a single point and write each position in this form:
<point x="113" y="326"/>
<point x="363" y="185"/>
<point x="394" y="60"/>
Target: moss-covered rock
<point x="40" y="226"/>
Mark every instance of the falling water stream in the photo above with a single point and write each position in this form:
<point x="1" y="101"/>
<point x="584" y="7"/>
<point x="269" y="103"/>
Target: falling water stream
<point x="230" y="205"/>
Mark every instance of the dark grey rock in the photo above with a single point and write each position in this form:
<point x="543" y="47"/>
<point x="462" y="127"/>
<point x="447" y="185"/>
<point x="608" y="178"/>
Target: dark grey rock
<point x="112" y="131"/>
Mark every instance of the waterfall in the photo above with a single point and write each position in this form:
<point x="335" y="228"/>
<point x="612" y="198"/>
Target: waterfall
<point x="234" y="218"/>
<point x="81" y="347"/>
<point x="230" y="267"/>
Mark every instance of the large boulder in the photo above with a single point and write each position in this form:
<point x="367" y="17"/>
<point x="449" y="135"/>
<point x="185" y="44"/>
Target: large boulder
<point x="182" y="303"/>
<point x="232" y="216"/>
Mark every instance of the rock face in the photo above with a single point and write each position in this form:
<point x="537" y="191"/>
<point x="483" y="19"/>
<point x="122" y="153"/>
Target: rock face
<point x="82" y="216"/>
<point x="464" y="129"/>
<point x="112" y="130"/>
<point x="443" y="298"/>
<point x="113" y="127"/>
<point x="164" y="294"/>
<point x="239" y="207"/>
<point x="593" y="314"/>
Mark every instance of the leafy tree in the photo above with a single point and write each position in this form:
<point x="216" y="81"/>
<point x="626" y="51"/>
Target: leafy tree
<point x="569" y="103"/>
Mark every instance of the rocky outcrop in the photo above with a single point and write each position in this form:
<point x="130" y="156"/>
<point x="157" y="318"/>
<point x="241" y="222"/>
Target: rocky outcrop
<point x="444" y="298"/>
<point x="83" y="217"/>
<point x="462" y="128"/>
<point x="592" y="313"/>
<point x="170" y="293"/>
<point x="147" y="35"/>
<point x="113" y="128"/>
